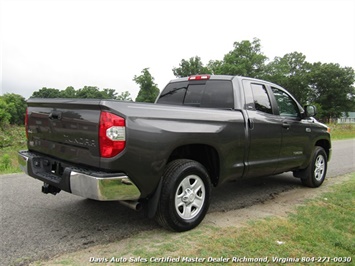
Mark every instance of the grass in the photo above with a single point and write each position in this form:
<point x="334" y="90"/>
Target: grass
<point x="342" y="131"/>
<point x="12" y="139"/>
<point x="317" y="233"/>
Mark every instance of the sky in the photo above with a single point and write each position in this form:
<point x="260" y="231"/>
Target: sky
<point x="105" y="43"/>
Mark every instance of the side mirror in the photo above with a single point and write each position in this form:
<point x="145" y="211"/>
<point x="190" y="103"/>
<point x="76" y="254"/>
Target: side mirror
<point x="310" y="110"/>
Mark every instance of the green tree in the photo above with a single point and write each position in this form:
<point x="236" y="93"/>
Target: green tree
<point x="46" y="93"/>
<point x="246" y="59"/>
<point x="15" y="107"/>
<point x="291" y="72"/>
<point x="124" y="96"/>
<point x="333" y="89"/>
<point x="69" y="92"/>
<point x="90" y="92"/>
<point x="109" y="94"/>
<point x="4" y="115"/>
<point x="190" y="67"/>
<point x="148" y="89"/>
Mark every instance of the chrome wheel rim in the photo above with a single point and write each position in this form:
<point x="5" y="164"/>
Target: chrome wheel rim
<point x="319" y="167"/>
<point x="190" y="197"/>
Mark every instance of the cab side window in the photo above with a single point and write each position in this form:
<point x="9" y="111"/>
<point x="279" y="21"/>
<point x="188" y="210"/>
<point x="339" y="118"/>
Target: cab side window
<point x="210" y="94"/>
<point x="261" y="98"/>
<point x="218" y="94"/>
<point x="287" y="106"/>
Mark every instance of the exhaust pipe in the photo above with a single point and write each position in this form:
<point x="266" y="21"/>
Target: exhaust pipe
<point x="134" y="205"/>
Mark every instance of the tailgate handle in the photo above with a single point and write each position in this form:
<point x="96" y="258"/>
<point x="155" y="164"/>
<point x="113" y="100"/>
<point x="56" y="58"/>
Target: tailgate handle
<point x="55" y="115"/>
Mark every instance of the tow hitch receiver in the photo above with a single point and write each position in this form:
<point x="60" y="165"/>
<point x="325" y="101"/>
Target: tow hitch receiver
<point x="46" y="188"/>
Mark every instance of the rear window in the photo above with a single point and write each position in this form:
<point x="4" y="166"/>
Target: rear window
<point x="208" y="94"/>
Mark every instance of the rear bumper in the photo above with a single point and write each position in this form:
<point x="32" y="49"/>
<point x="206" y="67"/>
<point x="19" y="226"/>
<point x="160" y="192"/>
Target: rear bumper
<point x="81" y="182"/>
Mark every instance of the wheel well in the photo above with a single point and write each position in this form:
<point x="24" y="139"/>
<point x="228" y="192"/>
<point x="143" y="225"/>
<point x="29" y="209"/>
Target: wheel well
<point x="325" y="145"/>
<point x="204" y="154"/>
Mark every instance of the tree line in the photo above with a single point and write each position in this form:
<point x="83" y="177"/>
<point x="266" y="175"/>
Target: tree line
<point x="148" y="91"/>
<point x="88" y="92"/>
<point x="13" y="106"/>
<point x="327" y="85"/>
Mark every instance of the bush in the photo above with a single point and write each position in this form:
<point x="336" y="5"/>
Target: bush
<point x="12" y="136"/>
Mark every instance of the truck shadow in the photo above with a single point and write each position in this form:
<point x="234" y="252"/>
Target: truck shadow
<point x="228" y="196"/>
<point x="244" y="193"/>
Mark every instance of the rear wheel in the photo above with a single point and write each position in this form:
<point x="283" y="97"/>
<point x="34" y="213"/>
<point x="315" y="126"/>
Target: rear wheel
<point x="314" y="174"/>
<point x="185" y="195"/>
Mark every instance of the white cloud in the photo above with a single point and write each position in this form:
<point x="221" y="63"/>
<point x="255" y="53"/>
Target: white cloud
<point x="105" y="43"/>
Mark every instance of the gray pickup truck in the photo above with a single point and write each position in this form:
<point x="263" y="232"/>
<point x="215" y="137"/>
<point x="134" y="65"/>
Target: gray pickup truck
<point x="202" y="131"/>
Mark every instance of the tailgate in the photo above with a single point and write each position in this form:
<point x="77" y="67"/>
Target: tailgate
<point x="66" y="129"/>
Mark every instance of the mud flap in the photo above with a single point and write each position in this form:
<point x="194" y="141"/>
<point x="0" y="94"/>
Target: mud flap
<point x="154" y="200"/>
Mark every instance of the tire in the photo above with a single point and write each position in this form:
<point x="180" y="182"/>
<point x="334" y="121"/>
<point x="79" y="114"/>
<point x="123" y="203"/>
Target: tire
<point x="315" y="173"/>
<point x="185" y="195"/>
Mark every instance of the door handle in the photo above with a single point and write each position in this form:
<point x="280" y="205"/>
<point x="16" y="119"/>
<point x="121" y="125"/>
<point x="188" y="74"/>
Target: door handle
<point x="286" y="125"/>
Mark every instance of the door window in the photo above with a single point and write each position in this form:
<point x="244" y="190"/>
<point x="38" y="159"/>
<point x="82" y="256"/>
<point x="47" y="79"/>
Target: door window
<point x="261" y="98"/>
<point x="287" y="106"/>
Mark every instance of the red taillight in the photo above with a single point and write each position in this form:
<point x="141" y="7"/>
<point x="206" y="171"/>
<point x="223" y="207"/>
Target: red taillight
<point x="26" y="123"/>
<point x="112" y="134"/>
<point x="200" y="77"/>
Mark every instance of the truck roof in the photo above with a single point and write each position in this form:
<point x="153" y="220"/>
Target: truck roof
<point x="219" y="77"/>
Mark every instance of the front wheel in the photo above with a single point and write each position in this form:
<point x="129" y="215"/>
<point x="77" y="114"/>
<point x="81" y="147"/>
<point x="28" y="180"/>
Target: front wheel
<point x="185" y="195"/>
<point x="314" y="174"/>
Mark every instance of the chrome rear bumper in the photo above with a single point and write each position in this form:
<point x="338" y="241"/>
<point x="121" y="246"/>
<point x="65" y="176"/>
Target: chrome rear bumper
<point x="103" y="188"/>
<point x="88" y="184"/>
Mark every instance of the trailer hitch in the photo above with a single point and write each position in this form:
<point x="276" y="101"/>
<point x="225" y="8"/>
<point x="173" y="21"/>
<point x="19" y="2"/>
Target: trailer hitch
<point x="46" y="188"/>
